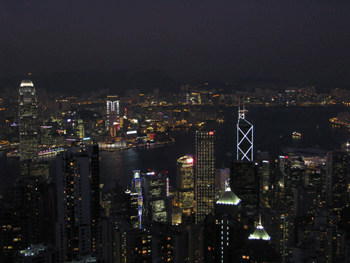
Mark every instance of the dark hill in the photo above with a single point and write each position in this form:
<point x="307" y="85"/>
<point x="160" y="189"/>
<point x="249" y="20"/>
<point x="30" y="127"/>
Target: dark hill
<point x="78" y="82"/>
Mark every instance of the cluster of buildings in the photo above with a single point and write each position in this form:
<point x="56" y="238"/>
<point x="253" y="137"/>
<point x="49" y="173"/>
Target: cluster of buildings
<point x="136" y="119"/>
<point x="291" y="209"/>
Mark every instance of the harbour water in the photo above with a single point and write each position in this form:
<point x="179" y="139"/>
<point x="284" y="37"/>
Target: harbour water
<point x="273" y="128"/>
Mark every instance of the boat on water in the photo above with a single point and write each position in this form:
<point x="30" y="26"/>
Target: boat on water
<point x="296" y="135"/>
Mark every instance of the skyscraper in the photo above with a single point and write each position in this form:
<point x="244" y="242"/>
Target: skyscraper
<point x="136" y="192"/>
<point x="112" y="112"/>
<point x="78" y="197"/>
<point x="156" y="201"/>
<point x="185" y="183"/>
<point x="220" y="230"/>
<point x="244" y="172"/>
<point x="244" y="137"/>
<point x="28" y="126"/>
<point x="204" y="173"/>
<point x="244" y="182"/>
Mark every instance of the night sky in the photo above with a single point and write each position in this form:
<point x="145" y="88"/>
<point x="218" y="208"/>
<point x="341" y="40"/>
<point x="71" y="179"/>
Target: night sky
<point x="306" y="42"/>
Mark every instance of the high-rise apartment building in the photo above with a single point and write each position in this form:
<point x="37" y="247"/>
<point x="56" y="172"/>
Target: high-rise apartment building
<point x="78" y="202"/>
<point x="185" y="183"/>
<point x="28" y="126"/>
<point x="337" y="180"/>
<point x="204" y="173"/>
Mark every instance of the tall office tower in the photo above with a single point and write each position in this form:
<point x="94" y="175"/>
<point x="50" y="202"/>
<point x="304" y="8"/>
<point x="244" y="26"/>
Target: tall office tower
<point x="244" y="137"/>
<point x="337" y="180"/>
<point x="136" y="195"/>
<point x="156" y="201"/>
<point x="78" y="202"/>
<point x="185" y="184"/>
<point x="226" y="225"/>
<point x="28" y="126"/>
<point x="112" y="111"/>
<point x="204" y="173"/>
<point x="296" y="172"/>
<point x="132" y="212"/>
<point x="245" y="183"/>
<point x="264" y="161"/>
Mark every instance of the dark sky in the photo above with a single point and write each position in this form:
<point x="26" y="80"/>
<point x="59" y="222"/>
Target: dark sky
<point x="306" y="42"/>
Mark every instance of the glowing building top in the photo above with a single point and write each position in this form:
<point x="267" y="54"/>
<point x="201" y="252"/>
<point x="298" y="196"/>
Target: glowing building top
<point x="26" y="92"/>
<point x="27" y="83"/>
<point x="260" y="233"/>
<point x="228" y="198"/>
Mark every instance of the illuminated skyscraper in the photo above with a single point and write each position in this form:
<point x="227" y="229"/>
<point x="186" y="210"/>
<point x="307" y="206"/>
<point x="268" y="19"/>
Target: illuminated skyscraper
<point x="244" y="137"/>
<point x="136" y="192"/>
<point x="28" y="127"/>
<point x="204" y="173"/>
<point x="112" y="112"/>
<point x="221" y="228"/>
<point x="185" y="183"/>
<point x="156" y="201"/>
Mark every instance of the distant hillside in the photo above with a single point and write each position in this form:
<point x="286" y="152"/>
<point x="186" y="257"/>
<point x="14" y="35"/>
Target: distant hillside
<point x="76" y="83"/>
<point x="245" y="84"/>
<point x="250" y="84"/>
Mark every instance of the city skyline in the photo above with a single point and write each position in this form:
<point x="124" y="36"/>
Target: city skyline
<point x="294" y="195"/>
<point x="303" y="42"/>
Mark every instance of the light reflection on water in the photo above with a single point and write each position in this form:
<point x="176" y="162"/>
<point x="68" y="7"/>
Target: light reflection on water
<point x="273" y="129"/>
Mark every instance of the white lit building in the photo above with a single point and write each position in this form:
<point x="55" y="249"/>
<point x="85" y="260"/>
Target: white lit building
<point x="113" y="113"/>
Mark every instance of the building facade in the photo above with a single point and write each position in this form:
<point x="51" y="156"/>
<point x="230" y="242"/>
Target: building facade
<point x="78" y="207"/>
<point x="337" y="180"/>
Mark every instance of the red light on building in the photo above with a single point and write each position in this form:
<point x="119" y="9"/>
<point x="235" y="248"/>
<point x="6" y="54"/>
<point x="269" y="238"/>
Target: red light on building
<point x="152" y="136"/>
<point x="211" y="133"/>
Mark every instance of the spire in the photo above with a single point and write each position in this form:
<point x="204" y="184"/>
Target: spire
<point x="241" y="113"/>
